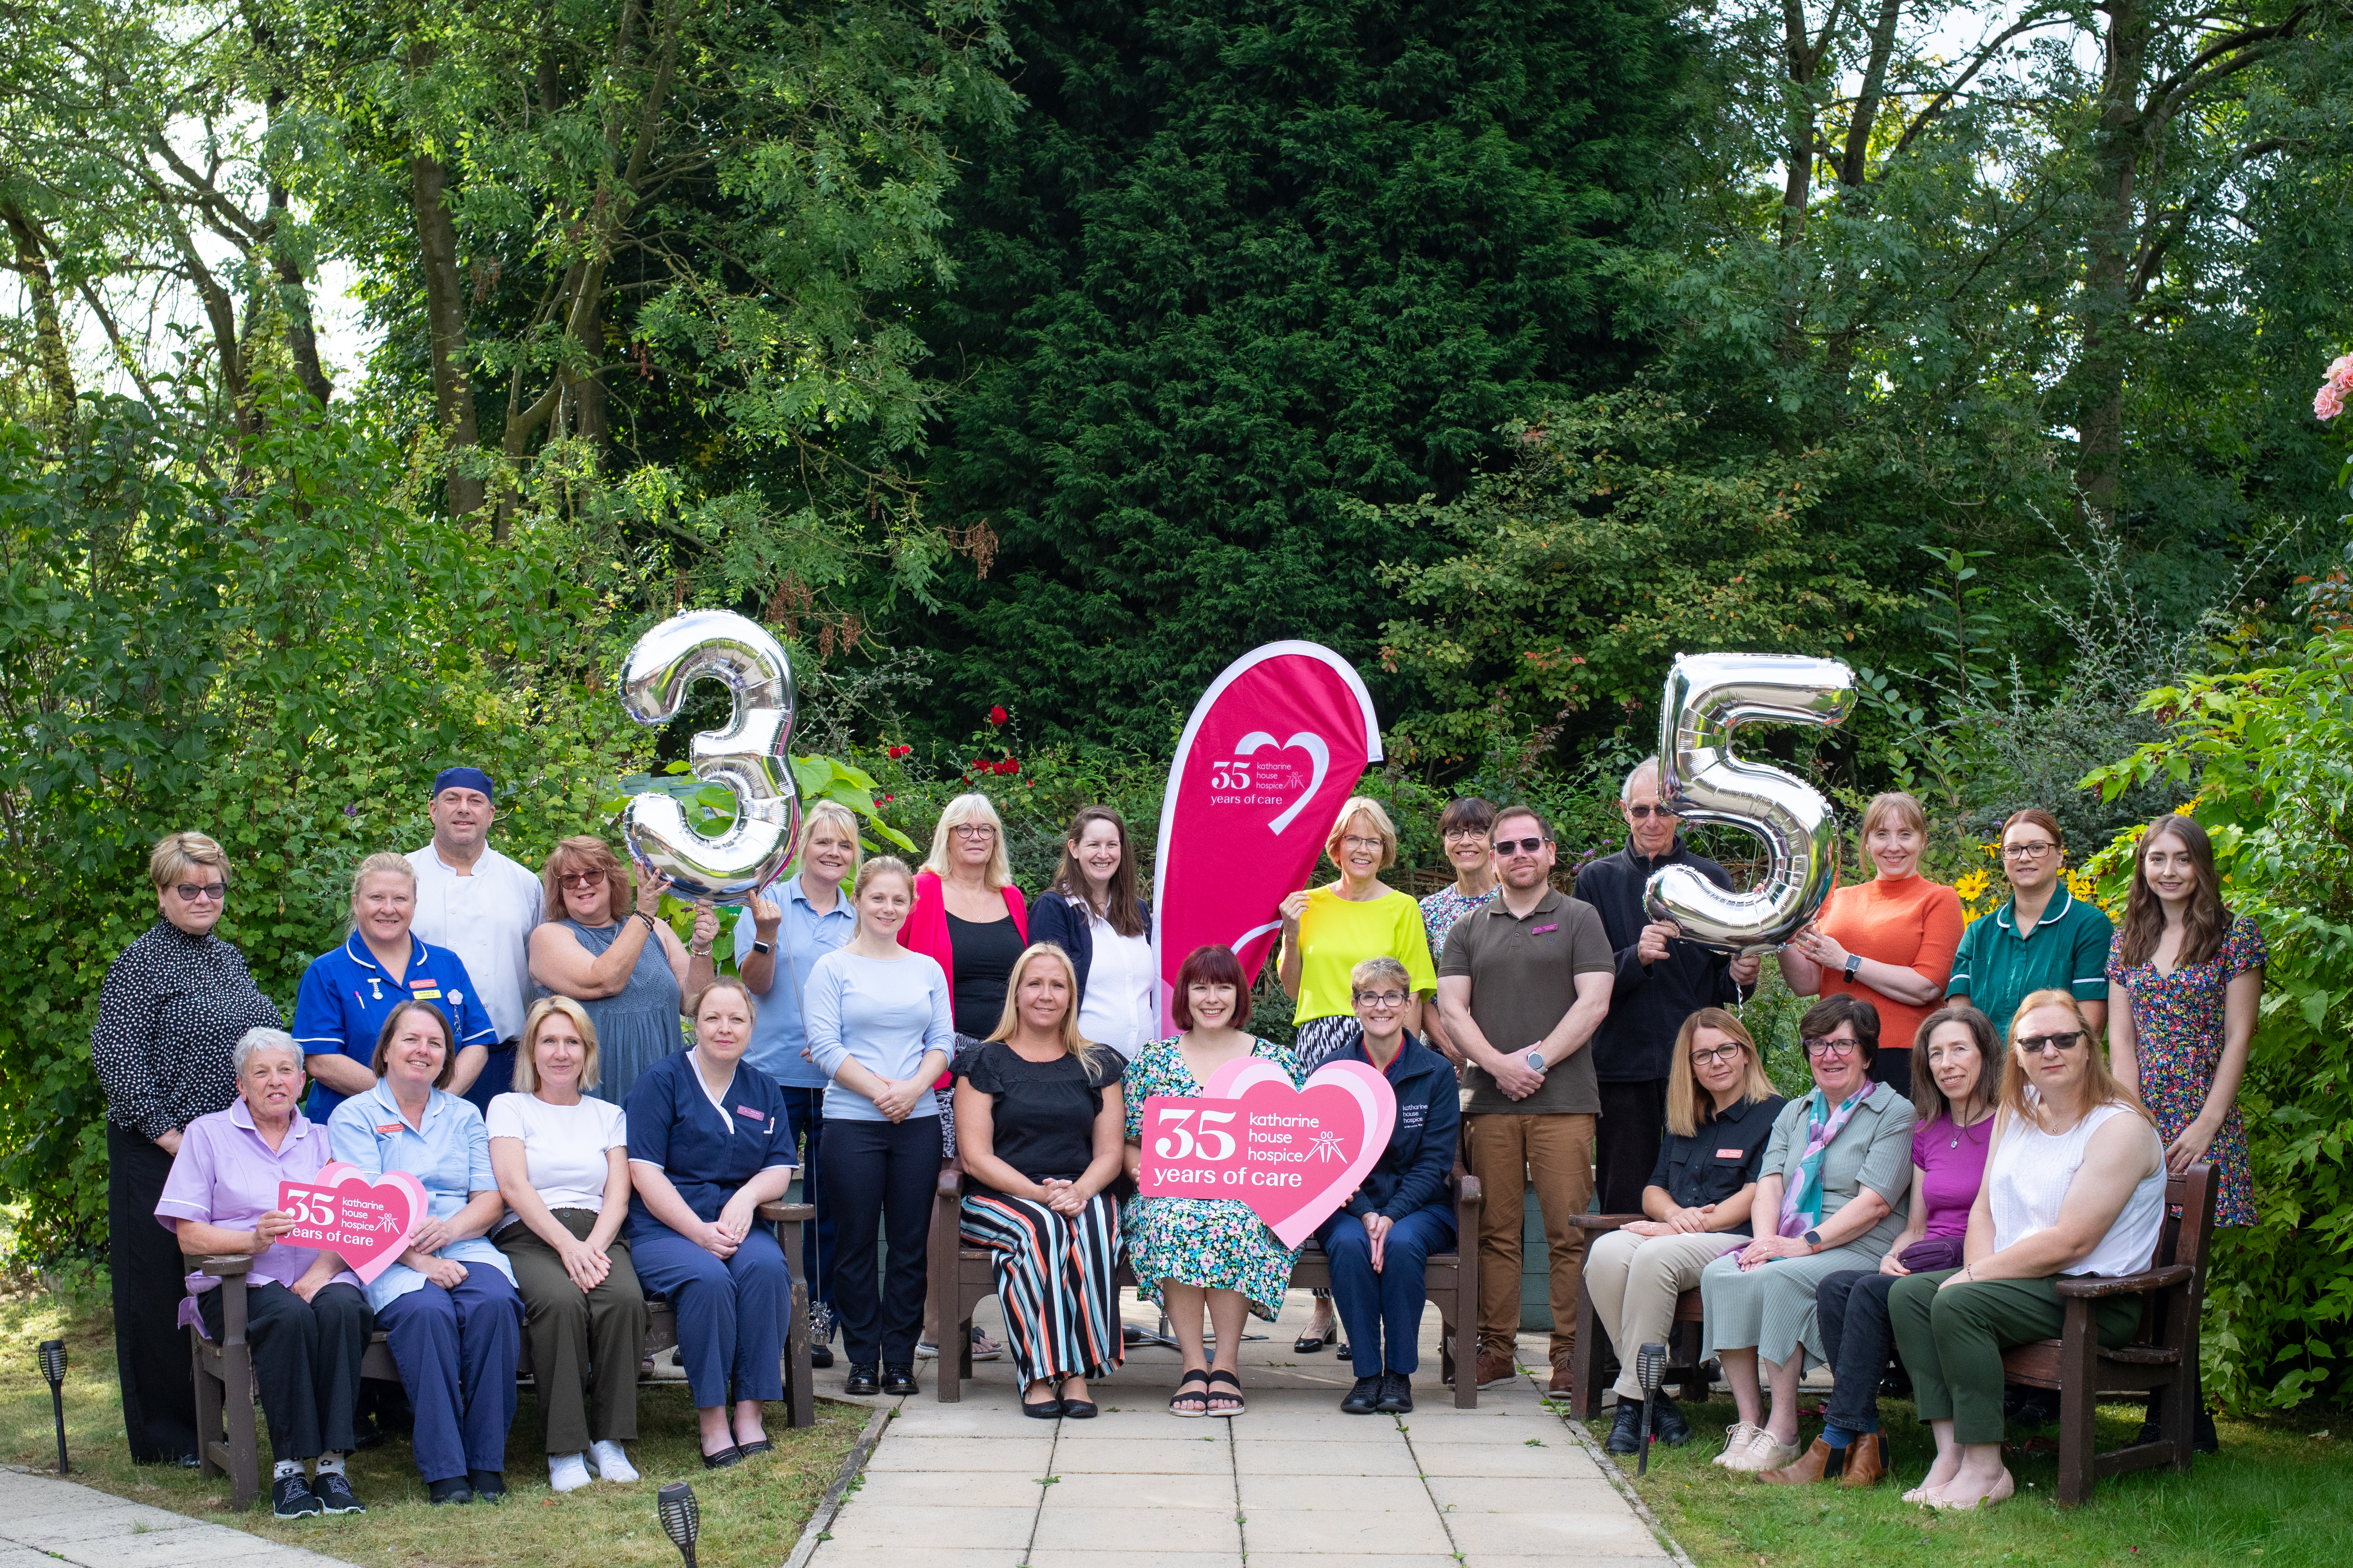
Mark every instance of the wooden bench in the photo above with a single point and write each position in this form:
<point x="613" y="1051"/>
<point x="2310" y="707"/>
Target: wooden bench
<point x="2160" y="1361"/>
<point x="960" y="1277"/>
<point x="227" y="1435"/>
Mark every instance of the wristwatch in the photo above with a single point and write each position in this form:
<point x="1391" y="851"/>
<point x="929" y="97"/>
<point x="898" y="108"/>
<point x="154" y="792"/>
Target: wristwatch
<point x="1854" y="966"/>
<point x="763" y="947"/>
<point x="1536" y="1061"/>
<point x="1813" y="1238"/>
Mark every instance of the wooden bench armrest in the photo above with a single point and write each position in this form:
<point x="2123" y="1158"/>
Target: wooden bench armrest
<point x="221" y="1265"/>
<point x="950" y="1188"/>
<point x="775" y="1210"/>
<point x="1600" y="1222"/>
<point x="2092" y="1288"/>
<point x="1467" y="1189"/>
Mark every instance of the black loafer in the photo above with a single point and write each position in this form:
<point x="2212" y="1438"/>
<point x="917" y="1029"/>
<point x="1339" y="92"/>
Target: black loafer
<point x="821" y="1355"/>
<point x="1667" y="1424"/>
<point x="726" y="1458"/>
<point x="1079" y="1409"/>
<point x="899" y="1377"/>
<point x="757" y="1445"/>
<point x="1364" y="1398"/>
<point x="453" y="1491"/>
<point x="1626" y="1431"/>
<point x="1396" y="1394"/>
<point x="862" y="1379"/>
<point x="1045" y="1410"/>
<point x="489" y="1485"/>
<point x="290" y="1497"/>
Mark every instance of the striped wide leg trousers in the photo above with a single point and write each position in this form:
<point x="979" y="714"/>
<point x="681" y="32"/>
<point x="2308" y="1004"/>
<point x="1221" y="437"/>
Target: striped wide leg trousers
<point x="1054" y="1282"/>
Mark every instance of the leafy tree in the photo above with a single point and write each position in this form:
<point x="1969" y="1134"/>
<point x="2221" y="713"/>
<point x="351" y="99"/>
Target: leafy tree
<point x="1236" y="263"/>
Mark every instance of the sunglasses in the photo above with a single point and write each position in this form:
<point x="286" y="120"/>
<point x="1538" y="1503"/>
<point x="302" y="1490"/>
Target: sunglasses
<point x="1644" y="812"/>
<point x="2037" y="1045"/>
<point x="196" y="892"/>
<point x="580" y="879"/>
<point x="1520" y="846"/>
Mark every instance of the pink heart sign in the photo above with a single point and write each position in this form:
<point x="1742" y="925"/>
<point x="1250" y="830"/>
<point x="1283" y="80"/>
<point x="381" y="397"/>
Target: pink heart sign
<point x="367" y="1222"/>
<point x="1294" y="1155"/>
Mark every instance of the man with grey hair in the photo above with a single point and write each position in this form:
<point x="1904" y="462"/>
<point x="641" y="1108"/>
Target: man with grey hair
<point x="1662" y="979"/>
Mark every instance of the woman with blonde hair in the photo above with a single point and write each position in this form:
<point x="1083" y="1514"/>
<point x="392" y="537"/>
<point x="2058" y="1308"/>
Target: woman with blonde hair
<point x="2074" y="1186"/>
<point x="623" y="963"/>
<point x="562" y="1160"/>
<point x="174" y="1005"/>
<point x="1889" y="942"/>
<point x="1326" y="932"/>
<point x="1720" y="1112"/>
<point x="1043" y="1128"/>
<point x="348" y="993"/>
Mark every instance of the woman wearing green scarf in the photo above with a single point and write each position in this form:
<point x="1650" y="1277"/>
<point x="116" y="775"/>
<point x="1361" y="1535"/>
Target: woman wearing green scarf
<point x="1837" y="1170"/>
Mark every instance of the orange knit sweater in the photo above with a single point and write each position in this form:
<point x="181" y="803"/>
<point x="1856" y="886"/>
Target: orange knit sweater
<point x="1913" y="923"/>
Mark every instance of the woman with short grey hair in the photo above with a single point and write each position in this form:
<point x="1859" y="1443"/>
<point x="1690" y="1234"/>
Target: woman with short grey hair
<point x="172" y="1009"/>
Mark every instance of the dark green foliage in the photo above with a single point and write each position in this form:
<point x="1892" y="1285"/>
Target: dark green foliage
<point x="1236" y="263"/>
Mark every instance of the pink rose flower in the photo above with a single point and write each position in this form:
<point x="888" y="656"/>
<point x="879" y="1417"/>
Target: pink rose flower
<point x="2329" y="401"/>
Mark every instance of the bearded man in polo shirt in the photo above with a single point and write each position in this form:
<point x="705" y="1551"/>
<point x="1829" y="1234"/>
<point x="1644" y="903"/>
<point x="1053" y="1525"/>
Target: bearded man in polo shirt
<point x="1523" y="983"/>
<point x="481" y="906"/>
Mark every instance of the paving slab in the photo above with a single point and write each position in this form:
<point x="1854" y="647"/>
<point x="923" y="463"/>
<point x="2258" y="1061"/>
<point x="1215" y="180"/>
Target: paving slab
<point x="1150" y="1531"/>
<point x="1213" y="1490"/>
<point x="1147" y="1456"/>
<point x="47" y="1520"/>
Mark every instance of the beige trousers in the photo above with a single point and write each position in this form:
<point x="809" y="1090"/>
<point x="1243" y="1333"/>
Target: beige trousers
<point x="1508" y="1154"/>
<point x="1634" y="1280"/>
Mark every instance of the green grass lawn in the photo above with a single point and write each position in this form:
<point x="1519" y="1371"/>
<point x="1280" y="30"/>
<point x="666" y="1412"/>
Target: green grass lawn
<point x="751" y="1515"/>
<point x="2280" y="1495"/>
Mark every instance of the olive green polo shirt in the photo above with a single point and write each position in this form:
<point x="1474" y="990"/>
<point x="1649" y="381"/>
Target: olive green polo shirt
<point x="1522" y="971"/>
<point x="1996" y="969"/>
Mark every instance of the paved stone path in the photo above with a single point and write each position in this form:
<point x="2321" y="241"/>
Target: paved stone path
<point x="1290" y="1484"/>
<point x="45" y="1520"/>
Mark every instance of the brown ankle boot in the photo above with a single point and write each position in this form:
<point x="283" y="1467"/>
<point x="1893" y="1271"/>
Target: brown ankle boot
<point x="1866" y="1460"/>
<point x="1817" y="1463"/>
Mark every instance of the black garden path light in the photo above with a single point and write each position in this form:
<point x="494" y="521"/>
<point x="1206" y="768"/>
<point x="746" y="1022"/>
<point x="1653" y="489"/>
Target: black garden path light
<point x="681" y="1518"/>
<point x="53" y="1367"/>
<point x="1650" y="1371"/>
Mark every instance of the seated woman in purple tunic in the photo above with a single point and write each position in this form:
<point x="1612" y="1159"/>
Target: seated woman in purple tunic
<point x="1955" y="1100"/>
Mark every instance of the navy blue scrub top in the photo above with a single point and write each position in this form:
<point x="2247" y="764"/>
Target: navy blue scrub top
<point x="674" y="1128"/>
<point x="346" y="995"/>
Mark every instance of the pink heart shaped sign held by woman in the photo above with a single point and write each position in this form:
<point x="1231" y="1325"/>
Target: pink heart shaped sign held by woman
<point x="366" y="1221"/>
<point x="1294" y="1155"/>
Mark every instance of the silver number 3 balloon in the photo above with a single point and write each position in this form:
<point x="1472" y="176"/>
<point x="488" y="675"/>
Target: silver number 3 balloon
<point x="1709" y="695"/>
<point x="748" y="758"/>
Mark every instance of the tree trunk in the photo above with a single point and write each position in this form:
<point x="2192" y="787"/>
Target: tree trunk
<point x="445" y="321"/>
<point x="1855" y="160"/>
<point x="2106" y="311"/>
<point x="48" y="334"/>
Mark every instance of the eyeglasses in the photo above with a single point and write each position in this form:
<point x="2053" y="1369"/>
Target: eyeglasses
<point x="1644" y="812"/>
<point x="2037" y="1045"/>
<point x="1478" y="833"/>
<point x="2034" y="852"/>
<point x="1819" y="1048"/>
<point x="1520" y="846"/>
<point x="973" y="830"/>
<point x="1708" y="1058"/>
<point x="194" y="892"/>
<point x="580" y="879"/>
<point x="1380" y="998"/>
<point x="1352" y="841"/>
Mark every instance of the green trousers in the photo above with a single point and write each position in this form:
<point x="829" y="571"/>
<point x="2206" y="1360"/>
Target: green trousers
<point x="581" y="1344"/>
<point x="1951" y="1341"/>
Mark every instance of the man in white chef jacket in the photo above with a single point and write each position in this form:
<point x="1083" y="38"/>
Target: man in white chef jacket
<point x="481" y="906"/>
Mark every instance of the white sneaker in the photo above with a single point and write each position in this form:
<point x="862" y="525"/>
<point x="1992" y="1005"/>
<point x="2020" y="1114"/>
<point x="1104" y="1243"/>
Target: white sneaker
<point x="1765" y="1452"/>
<point x="612" y="1463"/>
<point x="1736" y="1438"/>
<point x="566" y="1473"/>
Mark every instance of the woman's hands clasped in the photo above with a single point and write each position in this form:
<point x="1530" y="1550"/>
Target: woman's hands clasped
<point x="898" y="1098"/>
<point x="1765" y="1248"/>
<point x="1683" y="1222"/>
<point x="587" y="1266"/>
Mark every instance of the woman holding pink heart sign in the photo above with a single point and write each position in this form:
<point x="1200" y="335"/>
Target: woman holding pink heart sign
<point x="1190" y="1254"/>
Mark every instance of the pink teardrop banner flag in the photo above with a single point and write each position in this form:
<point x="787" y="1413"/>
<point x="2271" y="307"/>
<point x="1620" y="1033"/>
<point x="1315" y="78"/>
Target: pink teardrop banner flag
<point x="1294" y="1155"/>
<point x="1274" y="745"/>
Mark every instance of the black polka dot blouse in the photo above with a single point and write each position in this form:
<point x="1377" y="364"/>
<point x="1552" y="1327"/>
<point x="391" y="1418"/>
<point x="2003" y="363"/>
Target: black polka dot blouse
<point x="173" y="1010"/>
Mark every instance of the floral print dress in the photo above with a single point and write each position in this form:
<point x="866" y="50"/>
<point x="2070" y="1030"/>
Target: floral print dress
<point x="1217" y="1244"/>
<point x="1441" y="909"/>
<point x="2178" y="1032"/>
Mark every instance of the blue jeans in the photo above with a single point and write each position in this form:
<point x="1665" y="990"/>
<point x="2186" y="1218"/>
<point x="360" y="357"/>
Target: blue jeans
<point x="806" y="1108"/>
<point x="732" y="1313"/>
<point x="456" y="1351"/>
<point x="1381" y="1312"/>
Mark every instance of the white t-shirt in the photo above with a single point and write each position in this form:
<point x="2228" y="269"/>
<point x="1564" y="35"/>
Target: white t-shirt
<point x="564" y="1146"/>
<point x="486" y="919"/>
<point x="1120" y="1008"/>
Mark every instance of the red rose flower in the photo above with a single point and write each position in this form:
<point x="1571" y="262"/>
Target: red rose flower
<point x="895" y="752"/>
<point x="999" y="716"/>
<point x="1008" y="766"/>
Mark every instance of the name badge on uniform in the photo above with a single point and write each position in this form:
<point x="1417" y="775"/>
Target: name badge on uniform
<point x="1539" y="930"/>
<point x="1729" y="1153"/>
<point x="747" y="1111"/>
<point x="424" y="989"/>
<point x="386" y="1129"/>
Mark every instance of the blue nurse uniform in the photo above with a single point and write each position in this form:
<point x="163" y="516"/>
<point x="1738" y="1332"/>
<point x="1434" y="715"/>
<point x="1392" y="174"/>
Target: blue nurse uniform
<point x="346" y="996"/>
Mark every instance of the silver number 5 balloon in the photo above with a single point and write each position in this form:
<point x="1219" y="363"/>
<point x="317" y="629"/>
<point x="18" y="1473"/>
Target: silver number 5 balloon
<point x="747" y="757"/>
<point x="1709" y="695"/>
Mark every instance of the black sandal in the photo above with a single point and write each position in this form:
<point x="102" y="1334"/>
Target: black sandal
<point x="1191" y="1405"/>
<point x="1308" y="1344"/>
<point x="1236" y="1406"/>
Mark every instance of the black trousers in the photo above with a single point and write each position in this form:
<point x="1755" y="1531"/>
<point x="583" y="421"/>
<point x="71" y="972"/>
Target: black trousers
<point x="1626" y="1144"/>
<point x="1894" y="1068"/>
<point x="1851" y="1306"/>
<point x="151" y="1351"/>
<point x="880" y="1177"/>
<point x="306" y="1356"/>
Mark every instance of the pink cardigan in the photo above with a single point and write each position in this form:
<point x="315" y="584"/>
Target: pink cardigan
<point x="926" y="931"/>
